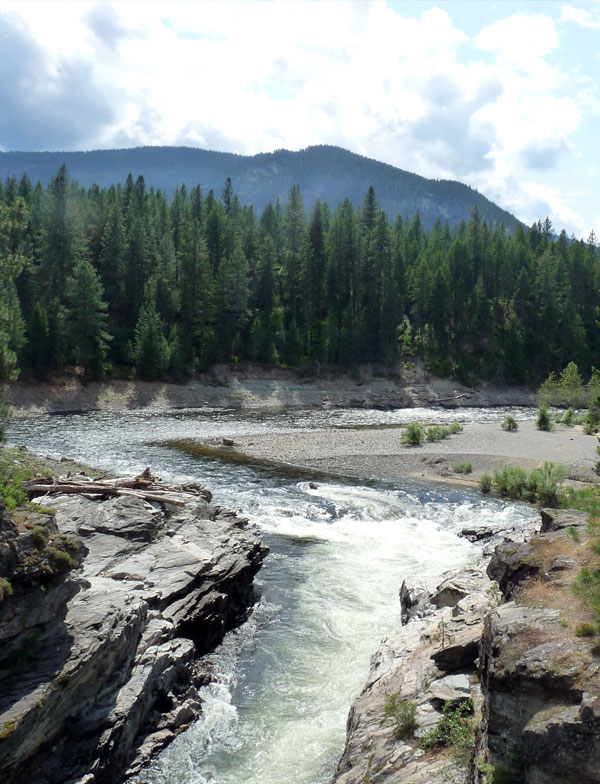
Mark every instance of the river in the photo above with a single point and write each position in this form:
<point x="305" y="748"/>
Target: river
<point x="284" y="681"/>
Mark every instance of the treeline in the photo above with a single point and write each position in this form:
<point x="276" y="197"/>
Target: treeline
<point x="123" y="280"/>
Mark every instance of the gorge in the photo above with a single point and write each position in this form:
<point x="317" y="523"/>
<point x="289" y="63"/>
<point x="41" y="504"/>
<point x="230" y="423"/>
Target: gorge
<point x="282" y="684"/>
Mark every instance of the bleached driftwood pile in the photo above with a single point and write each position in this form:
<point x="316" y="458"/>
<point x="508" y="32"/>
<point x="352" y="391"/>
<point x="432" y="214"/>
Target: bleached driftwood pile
<point x="143" y="486"/>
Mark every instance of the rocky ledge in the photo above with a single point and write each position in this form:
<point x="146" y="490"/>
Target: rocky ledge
<point x="539" y="674"/>
<point x="506" y="640"/>
<point x="99" y="665"/>
<point x="429" y="661"/>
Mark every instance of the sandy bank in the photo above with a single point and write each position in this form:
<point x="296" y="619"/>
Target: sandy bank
<point x="256" y="389"/>
<point x="368" y="453"/>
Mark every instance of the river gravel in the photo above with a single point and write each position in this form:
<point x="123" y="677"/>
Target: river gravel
<point x="378" y="452"/>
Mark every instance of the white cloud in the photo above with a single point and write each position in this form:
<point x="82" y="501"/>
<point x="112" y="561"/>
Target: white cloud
<point x="584" y="17"/>
<point x="533" y="201"/>
<point x="521" y="39"/>
<point x="250" y="77"/>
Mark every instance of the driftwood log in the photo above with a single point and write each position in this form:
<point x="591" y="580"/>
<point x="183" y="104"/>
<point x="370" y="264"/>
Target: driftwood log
<point x="143" y="486"/>
<point x="445" y="399"/>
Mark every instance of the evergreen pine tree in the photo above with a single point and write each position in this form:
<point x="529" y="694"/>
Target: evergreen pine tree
<point x="151" y="350"/>
<point x="86" y="318"/>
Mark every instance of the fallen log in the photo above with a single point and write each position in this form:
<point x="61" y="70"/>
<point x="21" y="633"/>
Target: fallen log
<point x="91" y="488"/>
<point x="444" y="399"/>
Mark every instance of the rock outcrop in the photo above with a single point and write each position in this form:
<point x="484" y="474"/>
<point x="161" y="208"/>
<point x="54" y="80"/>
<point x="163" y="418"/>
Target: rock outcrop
<point x="99" y="668"/>
<point x="533" y="677"/>
<point x="540" y="677"/>
<point x="431" y="660"/>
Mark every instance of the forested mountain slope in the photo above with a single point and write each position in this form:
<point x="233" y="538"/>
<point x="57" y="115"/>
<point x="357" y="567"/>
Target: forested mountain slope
<point x="327" y="173"/>
<point x="127" y="281"/>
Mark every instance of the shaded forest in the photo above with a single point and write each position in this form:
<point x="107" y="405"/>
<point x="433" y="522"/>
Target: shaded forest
<point x="127" y="281"/>
<point x="323" y="172"/>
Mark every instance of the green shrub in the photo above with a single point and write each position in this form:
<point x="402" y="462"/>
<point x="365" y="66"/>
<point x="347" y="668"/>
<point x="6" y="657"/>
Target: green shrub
<point x="570" y="386"/>
<point x="543" y="483"/>
<point x="485" y="483"/>
<point x="40" y="537"/>
<point x="12" y="476"/>
<point x="585" y="499"/>
<point x="438" y="432"/>
<point x="5" y="588"/>
<point x="587" y="588"/>
<point x="568" y="418"/>
<point x="402" y="714"/>
<point x="413" y="434"/>
<point x="548" y="393"/>
<point x="544" y="420"/>
<point x="573" y="534"/>
<point x="510" y="424"/>
<point x="455" y="730"/>
<point x="434" y="433"/>
<point x="463" y="468"/>
<point x="60" y="559"/>
<point x="510" y="482"/>
<point x="489" y="770"/>
<point x="69" y="544"/>
<point x="567" y="390"/>
<point x="586" y="630"/>
<point x="593" y="415"/>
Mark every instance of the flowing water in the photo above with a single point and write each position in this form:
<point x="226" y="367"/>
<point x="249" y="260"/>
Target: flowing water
<point x="284" y="681"/>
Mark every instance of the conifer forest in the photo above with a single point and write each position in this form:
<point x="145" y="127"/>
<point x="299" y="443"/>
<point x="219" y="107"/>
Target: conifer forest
<point x="130" y="281"/>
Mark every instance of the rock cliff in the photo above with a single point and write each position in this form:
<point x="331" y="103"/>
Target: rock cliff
<point x="539" y="675"/>
<point x="507" y="640"/>
<point x="428" y="662"/>
<point x="99" y="667"/>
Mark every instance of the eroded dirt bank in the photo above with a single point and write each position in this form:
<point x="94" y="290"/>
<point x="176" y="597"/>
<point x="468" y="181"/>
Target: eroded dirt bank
<point x="257" y="388"/>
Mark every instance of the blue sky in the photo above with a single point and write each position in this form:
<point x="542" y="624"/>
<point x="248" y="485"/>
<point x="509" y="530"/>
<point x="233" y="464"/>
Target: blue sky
<point x="504" y="96"/>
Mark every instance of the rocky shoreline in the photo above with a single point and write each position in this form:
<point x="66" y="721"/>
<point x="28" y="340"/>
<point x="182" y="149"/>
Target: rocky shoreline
<point x="99" y="668"/>
<point x="503" y="638"/>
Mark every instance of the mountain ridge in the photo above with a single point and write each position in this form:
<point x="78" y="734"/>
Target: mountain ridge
<point x="323" y="172"/>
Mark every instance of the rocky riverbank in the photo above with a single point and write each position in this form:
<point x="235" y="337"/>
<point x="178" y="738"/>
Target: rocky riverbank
<point x="257" y="388"/>
<point x="99" y="664"/>
<point x="533" y="683"/>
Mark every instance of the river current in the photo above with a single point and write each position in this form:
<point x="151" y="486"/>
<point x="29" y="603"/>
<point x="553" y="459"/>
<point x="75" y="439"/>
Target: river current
<point x="328" y="592"/>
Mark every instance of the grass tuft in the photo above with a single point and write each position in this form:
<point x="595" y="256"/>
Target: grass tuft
<point x="402" y="714"/>
<point x="463" y="468"/>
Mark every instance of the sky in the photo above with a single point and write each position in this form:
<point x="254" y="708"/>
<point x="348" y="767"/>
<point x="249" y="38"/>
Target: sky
<point x="504" y="96"/>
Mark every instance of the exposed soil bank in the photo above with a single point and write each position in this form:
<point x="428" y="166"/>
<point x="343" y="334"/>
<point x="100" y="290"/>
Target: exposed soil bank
<point x="257" y="388"/>
<point x="366" y="453"/>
